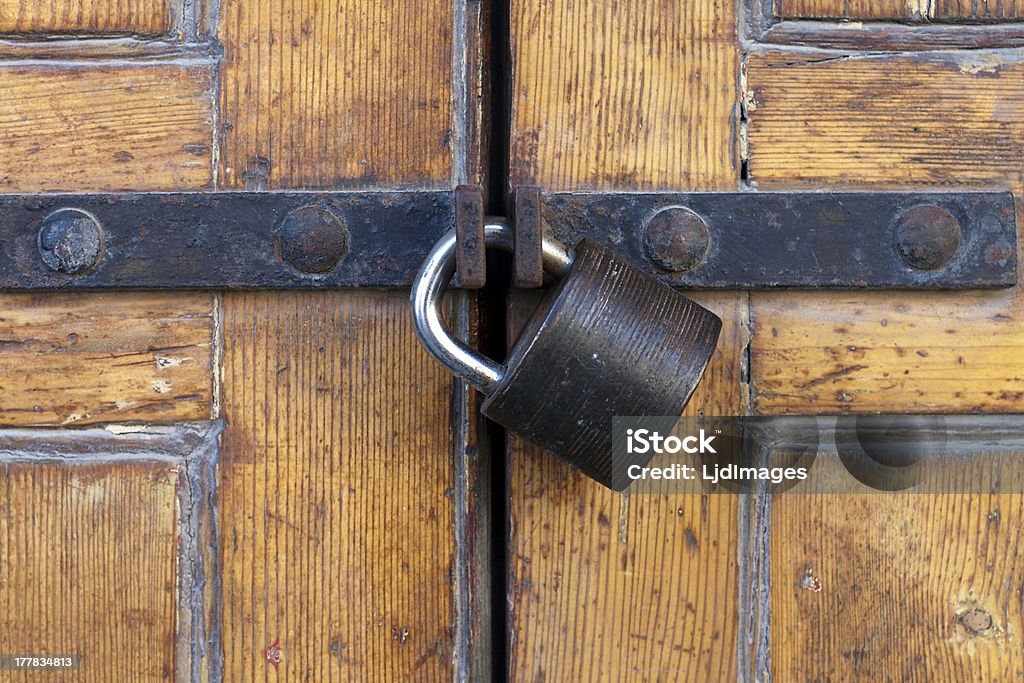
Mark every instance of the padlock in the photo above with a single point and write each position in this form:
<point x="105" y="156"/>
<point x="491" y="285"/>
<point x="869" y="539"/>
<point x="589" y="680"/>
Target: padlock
<point x="607" y="340"/>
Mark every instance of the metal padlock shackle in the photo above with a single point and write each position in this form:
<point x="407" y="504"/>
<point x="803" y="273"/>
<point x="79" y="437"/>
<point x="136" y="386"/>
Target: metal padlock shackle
<point x="430" y="284"/>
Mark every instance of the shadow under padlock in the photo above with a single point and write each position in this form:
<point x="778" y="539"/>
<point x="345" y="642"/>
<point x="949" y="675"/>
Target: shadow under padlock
<point x="606" y="340"/>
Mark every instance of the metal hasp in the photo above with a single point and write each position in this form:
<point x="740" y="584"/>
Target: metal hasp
<point x="222" y="240"/>
<point x="760" y="240"/>
<point x="740" y="240"/>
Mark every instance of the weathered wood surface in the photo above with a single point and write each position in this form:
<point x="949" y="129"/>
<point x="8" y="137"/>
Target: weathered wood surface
<point x="89" y="549"/>
<point x="871" y="35"/>
<point x="897" y="586"/>
<point x="343" y="509"/>
<point x="956" y="113"/>
<point x="603" y="586"/>
<point x="85" y="16"/>
<point x="919" y="10"/>
<point x="80" y="358"/>
<point x="334" y="491"/>
<point x="847" y="352"/>
<point x="860" y="9"/>
<point x="100" y="127"/>
<point x="624" y="95"/>
<point x="88" y="566"/>
<point x="336" y="95"/>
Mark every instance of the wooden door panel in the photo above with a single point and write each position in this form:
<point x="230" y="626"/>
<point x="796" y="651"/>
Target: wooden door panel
<point x="931" y="119"/>
<point x="80" y="127"/>
<point x="344" y="94"/>
<point x="113" y="357"/>
<point x="104" y="549"/>
<point x="87" y="565"/>
<point x="152" y="17"/>
<point x="351" y="496"/>
<point x="343" y="494"/>
<point x="335" y="477"/>
<point x="616" y="587"/>
<point x="851" y="9"/>
<point x="920" y="10"/>
<point x="99" y="540"/>
<point x="603" y="586"/>
<point x="897" y="586"/>
<point x="889" y="585"/>
<point x="624" y="96"/>
<point x="90" y="552"/>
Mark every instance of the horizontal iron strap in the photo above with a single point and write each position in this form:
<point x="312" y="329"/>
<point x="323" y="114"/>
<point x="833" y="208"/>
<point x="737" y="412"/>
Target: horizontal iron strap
<point x="745" y="240"/>
<point x="758" y="240"/>
<point x="223" y="240"/>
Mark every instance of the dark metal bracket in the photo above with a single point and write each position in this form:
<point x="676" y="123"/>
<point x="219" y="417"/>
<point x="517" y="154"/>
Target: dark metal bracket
<point x="742" y="240"/>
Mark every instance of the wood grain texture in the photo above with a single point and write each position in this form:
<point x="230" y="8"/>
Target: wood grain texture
<point x="85" y="16"/>
<point x="616" y="587"/>
<point x="905" y="580"/>
<point x="627" y="95"/>
<point x="886" y="36"/>
<point x="336" y="94"/>
<point x="336" y="469"/>
<point x="923" y="120"/>
<point x="81" y="127"/>
<point x="119" y="356"/>
<point x="87" y="565"/>
<point x="897" y="587"/>
<point x="978" y="10"/>
<point x="825" y="352"/>
<point x="957" y="115"/>
<point x="974" y="10"/>
<point x="850" y="9"/>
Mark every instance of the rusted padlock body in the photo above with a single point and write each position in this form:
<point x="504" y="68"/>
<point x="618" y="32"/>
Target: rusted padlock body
<point x="607" y="340"/>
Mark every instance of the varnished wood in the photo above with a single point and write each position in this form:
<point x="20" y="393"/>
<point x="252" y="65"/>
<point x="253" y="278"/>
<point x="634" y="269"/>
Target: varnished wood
<point x="90" y="560"/>
<point x="897" y="587"/>
<point x="81" y="127"/>
<point x="334" y="497"/>
<point x="974" y="10"/>
<point x="870" y="35"/>
<point x="799" y="138"/>
<point x="84" y="49"/>
<point x="848" y="352"/>
<point x="627" y="95"/>
<point x="338" y="94"/>
<point x="88" y="566"/>
<point x="348" y="512"/>
<point x="853" y="9"/>
<point x="80" y="358"/>
<point x="85" y="16"/>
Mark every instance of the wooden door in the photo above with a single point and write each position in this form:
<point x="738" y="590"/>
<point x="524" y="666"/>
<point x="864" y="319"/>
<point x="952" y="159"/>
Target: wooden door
<point x="244" y="485"/>
<point x="282" y="485"/>
<point x="712" y="95"/>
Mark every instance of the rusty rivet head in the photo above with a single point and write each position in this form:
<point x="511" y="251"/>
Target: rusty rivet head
<point x="70" y="241"/>
<point x="927" y="237"/>
<point x="311" y="239"/>
<point x="677" y="239"/>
